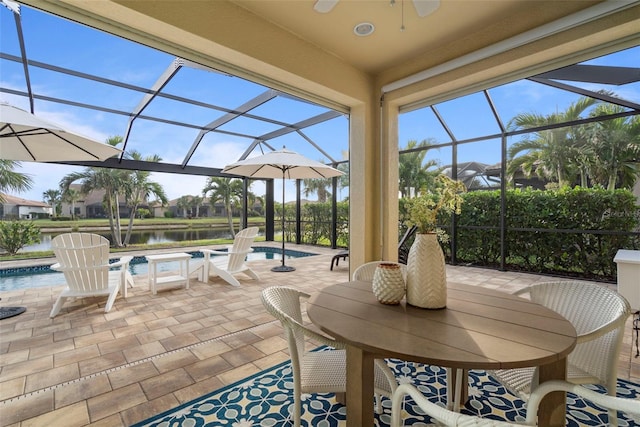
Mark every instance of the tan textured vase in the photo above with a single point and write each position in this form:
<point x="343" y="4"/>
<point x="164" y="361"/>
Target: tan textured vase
<point x="426" y="274"/>
<point x="388" y="284"/>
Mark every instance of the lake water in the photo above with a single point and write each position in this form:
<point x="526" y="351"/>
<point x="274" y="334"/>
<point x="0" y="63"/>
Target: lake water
<point x="43" y="276"/>
<point x="145" y="237"/>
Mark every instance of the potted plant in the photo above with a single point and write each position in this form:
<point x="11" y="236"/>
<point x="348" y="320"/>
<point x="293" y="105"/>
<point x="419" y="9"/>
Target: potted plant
<point x="426" y="270"/>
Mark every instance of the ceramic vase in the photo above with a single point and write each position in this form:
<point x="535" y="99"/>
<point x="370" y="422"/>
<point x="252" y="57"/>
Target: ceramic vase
<point x="426" y="273"/>
<point x="388" y="283"/>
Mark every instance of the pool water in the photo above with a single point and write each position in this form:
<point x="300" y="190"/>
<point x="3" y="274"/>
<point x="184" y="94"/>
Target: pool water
<point x="42" y="276"/>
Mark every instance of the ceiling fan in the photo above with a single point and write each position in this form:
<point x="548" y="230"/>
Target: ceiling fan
<point x="423" y="7"/>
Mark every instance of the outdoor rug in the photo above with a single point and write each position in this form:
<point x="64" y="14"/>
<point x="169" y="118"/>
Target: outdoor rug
<point x="265" y="400"/>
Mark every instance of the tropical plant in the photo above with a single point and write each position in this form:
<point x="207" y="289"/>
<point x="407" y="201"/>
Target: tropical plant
<point x="445" y="197"/>
<point x="317" y="186"/>
<point x="138" y="189"/>
<point x="53" y="198"/>
<point x="228" y="191"/>
<point x="194" y="205"/>
<point x="183" y="203"/>
<point x="14" y="235"/>
<point x="553" y="154"/>
<point x="413" y="171"/>
<point x="71" y="196"/>
<point x="11" y="180"/>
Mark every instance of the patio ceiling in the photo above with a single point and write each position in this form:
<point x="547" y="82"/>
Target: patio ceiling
<point x="454" y="31"/>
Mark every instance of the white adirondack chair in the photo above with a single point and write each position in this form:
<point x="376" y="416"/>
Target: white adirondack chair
<point x="84" y="260"/>
<point x="233" y="261"/>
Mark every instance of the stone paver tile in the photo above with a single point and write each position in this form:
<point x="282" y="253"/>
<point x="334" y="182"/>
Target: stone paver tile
<point x="52" y="348"/>
<point x="143" y="351"/>
<point x="241" y="339"/>
<point x="237" y="325"/>
<point x="72" y="333"/>
<point x="33" y="323"/>
<point x="148" y="409"/>
<point x="13" y="356"/>
<point x="118" y="344"/>
<point x="242" y="355"/>
<point x="154" y="335"/>
<point x="51" y="329"/>
<point x="238" y="373"/>
<point x="161" y="323"/>
<point x="210" y="349"/>
<point x="85" y="340"/>
<point x="25" y="368"/>
<point x="210" y="332"/>
<point x="110" y="326"/>
<point x="76" y="355"/>
<point x="179" y="341"/>
<point x="114" y="420"/>
<point x="208" y="368"/>
<point x="52" y="377"/>
<point x="190" y="316"/>
<point x="115" y="401"/>
<point x="198" y="389"/>
<point x="175" y="360"/>
<point x="271" y="345"/>
<point x="185" y="327"/>
<point x="272" y="360"/>
<point x="166" y="383"/>
<point x="79" y="391"/>
<point x="12" y="388"/>
<point x="132" y="374"/>
<point x="73" y="415"/>
<point x="28" y="407"/>
<point x="101" y="363"/>
<point x="17" y="344"/>
<point x="141" y="318"/>
<point x="130" y="330"/>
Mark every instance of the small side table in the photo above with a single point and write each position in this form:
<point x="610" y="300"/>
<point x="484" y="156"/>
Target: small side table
<point x="182" y="277"/>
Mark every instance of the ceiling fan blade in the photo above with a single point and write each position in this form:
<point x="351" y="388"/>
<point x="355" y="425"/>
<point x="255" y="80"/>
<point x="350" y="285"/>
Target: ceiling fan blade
<point x="324" y="6"/>
<point x="425" y="7"/>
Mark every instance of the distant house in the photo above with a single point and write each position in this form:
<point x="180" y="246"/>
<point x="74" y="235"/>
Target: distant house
<point x="90" y="205"/>
<point x="18" y="208"/>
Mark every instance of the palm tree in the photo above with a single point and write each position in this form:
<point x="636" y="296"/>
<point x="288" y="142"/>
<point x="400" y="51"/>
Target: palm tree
<point x="139" y="188"/>
<point x="195" y="203"/>
<point x="11" y="180"/>
<point x="413" y="171"/>
<point x="112" y="181"/>
<point x="554" y="154"/>
<point x="72" y="196"/>
<point x="225" y="190"/>
<point x="318" y="186"/>
<point x="184" y="202"/>
<point x="52" y="197"/>
<point x="616" y="144"/>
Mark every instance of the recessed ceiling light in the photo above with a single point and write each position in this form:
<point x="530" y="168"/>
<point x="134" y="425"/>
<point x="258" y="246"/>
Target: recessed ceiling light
<point x="363" y="29"/>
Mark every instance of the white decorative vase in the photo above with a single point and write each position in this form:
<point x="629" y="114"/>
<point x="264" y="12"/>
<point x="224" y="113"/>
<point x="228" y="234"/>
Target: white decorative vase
<point x="388" y="284"/>
<point x="426" y="273"/>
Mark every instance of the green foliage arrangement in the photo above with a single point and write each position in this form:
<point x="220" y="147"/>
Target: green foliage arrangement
<point x="444" y="198"/>
<point x="14" y="235"/>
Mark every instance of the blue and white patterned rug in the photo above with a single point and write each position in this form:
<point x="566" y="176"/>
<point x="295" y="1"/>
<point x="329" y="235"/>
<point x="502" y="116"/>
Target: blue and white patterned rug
<point x="265" y="400"/>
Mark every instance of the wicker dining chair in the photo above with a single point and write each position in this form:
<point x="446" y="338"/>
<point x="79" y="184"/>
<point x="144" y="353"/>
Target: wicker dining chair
<point x="599" y="315"/>
<point x="446" y="417"/>
<point x="321" y="371"/>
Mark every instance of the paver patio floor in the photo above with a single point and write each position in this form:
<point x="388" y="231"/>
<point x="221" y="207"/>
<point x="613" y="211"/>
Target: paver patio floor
<point x="153" y="352"/>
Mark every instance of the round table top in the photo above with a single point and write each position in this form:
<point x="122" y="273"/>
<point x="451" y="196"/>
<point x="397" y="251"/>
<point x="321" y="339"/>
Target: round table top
<point x="480" y="328"/>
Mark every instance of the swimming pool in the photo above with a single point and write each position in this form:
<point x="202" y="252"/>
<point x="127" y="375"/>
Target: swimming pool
<point x="42" y="276"/>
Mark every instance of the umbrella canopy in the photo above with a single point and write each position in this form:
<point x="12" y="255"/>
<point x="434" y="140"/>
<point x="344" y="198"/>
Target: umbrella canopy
<point x="282" y="164"/>
<point x="24" y="136"/>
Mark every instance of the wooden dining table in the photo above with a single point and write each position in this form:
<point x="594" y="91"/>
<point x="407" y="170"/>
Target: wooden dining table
<point x="480" y="328"/>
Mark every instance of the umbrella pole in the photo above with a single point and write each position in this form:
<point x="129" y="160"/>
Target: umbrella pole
<point x="283" y="268"/>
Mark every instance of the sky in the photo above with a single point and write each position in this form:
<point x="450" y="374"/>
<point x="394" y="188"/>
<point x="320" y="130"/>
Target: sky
<point x="70" y="45"/>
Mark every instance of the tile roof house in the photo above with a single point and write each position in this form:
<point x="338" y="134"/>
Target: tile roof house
<point x="14" y="207"/>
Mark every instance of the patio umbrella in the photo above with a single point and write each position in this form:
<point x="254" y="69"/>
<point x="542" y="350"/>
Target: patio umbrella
<point x="24" y="136"/>
<point x="284" y="164"/>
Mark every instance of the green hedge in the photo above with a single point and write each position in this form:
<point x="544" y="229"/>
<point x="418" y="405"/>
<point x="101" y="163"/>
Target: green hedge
<point x="554" y="246"/>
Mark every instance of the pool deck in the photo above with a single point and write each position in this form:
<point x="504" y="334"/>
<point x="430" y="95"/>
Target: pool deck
<point x="153" y="352"/>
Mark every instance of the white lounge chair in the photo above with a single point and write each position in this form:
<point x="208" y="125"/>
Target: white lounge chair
<point x="446" y="417"/>
<point x="84" y="260"/>
<point x="233" y="261"/>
